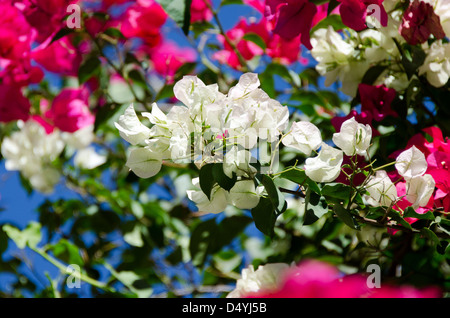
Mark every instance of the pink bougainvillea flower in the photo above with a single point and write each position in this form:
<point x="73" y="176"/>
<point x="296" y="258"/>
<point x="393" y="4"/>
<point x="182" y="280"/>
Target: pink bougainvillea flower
<point x="278" y="48"/>
<point x="144" y="20"/>
<point x="15" y="35"/>
<point x="60" y="57"/>
<point x="317" y="279"/>
<point x="200" y="11"/>
<point x="419" y="22"/>
<point x="292" y="18"/>
<point x="13" y="105"/>
<point x="377" y="100"/>
<point x="355" y="12"/>
<point x="167" y="58"/>
<point x="45" y="16"/>
<point x="70" y="110"/>
<point x="21" y="73"/>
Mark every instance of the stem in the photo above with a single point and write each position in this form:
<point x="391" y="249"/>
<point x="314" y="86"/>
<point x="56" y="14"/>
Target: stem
<point x="63" y="269"/>
<point x="242" y="61"/>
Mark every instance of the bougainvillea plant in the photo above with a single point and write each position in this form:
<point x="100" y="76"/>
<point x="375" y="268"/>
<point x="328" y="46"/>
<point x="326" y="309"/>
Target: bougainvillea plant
<point x="296" y="149"/>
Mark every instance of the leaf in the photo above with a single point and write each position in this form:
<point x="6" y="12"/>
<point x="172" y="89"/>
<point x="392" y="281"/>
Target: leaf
<point x="207" y="179"/>
<point x="61" y="33"/>
<point x="429" y="234"/>
<point x="67" y="252"/>
<point x="255" y="38"/>
<point x="298" y="176"/>
<point x="337" y="192"/>
<point x="332" y="5"/>
<point x="114" y="33"/>
<point x="334" y="20"/>
<point x="30" y="236"/>
<point x="221" y="178"/>
<point x="372" y="74"/>
<point x="315" y="207"/>
<point x="264" y="216"/>
<point x="179" y="11"/>
<point x="394" y="215"/>
<point x="200" y="241"/>
<point x="274" y="194"/>
<point x="345" y="216"/>
<point x="411" y="213"/>
<point x="88" y="69"/>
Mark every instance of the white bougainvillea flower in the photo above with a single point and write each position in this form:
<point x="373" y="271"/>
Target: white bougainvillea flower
<point x="266" y="277"/>
<point x="244" y="194"/>
<point x="326" y="167"/>
<point x="436" y="66"/>
<point x="411" y="163"/>
<point x="88" y="158"/>
<point x="247" y="83"/>
<point x="382" y="191"/>
<point x="419" y="190"/>
<point x="353" y="138"/>
<point x="31" y="151"/>
<point x="303" y="136"/>
<point x="130" y="127"/>
<point x="218" y="202"/>
<point x="144" y="162"/>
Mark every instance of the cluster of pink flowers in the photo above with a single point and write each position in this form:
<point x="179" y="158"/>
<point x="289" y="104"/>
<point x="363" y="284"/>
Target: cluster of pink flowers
<point x="317" y="279"/>
<point x="437" y="153"/>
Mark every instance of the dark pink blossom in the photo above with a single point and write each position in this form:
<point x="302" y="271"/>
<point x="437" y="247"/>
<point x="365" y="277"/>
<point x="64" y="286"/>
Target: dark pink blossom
<point x="13" y="105"/>
<point x="355" y="12"/>
<point x="21" y="73"/>
<point x="15" y="35"/>
<point x="200" y="11"/>
<point x="317" y="279"/>
<point x="168" y="57"/>
<point x="419" y="22"/>
<point x="70" y="110"/>
<point x="292" y="18"/>
<point x="377" y="100"/>
<point x="60" y="57"/>
<point x="144" y="20"/>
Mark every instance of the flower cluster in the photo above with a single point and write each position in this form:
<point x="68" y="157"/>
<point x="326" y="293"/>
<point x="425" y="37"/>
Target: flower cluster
<point x="316" y="279"/>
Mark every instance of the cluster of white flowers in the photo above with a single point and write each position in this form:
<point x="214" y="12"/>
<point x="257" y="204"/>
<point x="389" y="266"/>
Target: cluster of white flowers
<point x="210" y="127"/>
<point x="32" y="151"/>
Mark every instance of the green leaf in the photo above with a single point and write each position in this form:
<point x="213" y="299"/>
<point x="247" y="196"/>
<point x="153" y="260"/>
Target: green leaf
<point x="30" y="236"/>
<point x="265" y="216"/>
<point x="337" y="192"/>
<point x="67" y="252"/>
<point x="298" y="176"/>
<point x="88" y="69"/>
<point x="221" y="178"/>
<point x="61" y="33"/>
<point x="114" y="33"/>
<point x="207" y="181"/>
<point x="255" y="38"/>
<point x="429" y="234"/>
<point x="201" y="238"/>
<point x="274" y="194"/>
<point x="334" y="20"/>
<point x="411" y="213"/>
<point x="179" y="11"/>
<point x="394" y="215"/>
<point x="372" y="74"/>
<point x="332" y="5"/>
<point x="315" y="207"/>
<point x="345" y="216"/>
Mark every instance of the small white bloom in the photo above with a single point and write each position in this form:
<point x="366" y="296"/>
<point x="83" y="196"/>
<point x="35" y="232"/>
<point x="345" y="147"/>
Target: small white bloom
<point x="303" y="136"/>
<point x="411" y="163"/>
<point x="436" y="66"/>
<point x="354" y="138"/>
<point x="266" y="277"/>
<point x="326" y="167"/>
<point x="144" y="162"/>
<point x="382" y="191"/>
<point x="130" y="128"/>
<point x="238" y="162"/>
<point x="419" y="190"/>
<point x="218" y="202"/>
<point x="243" y="194"/>
<point x="88" y="158"/>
